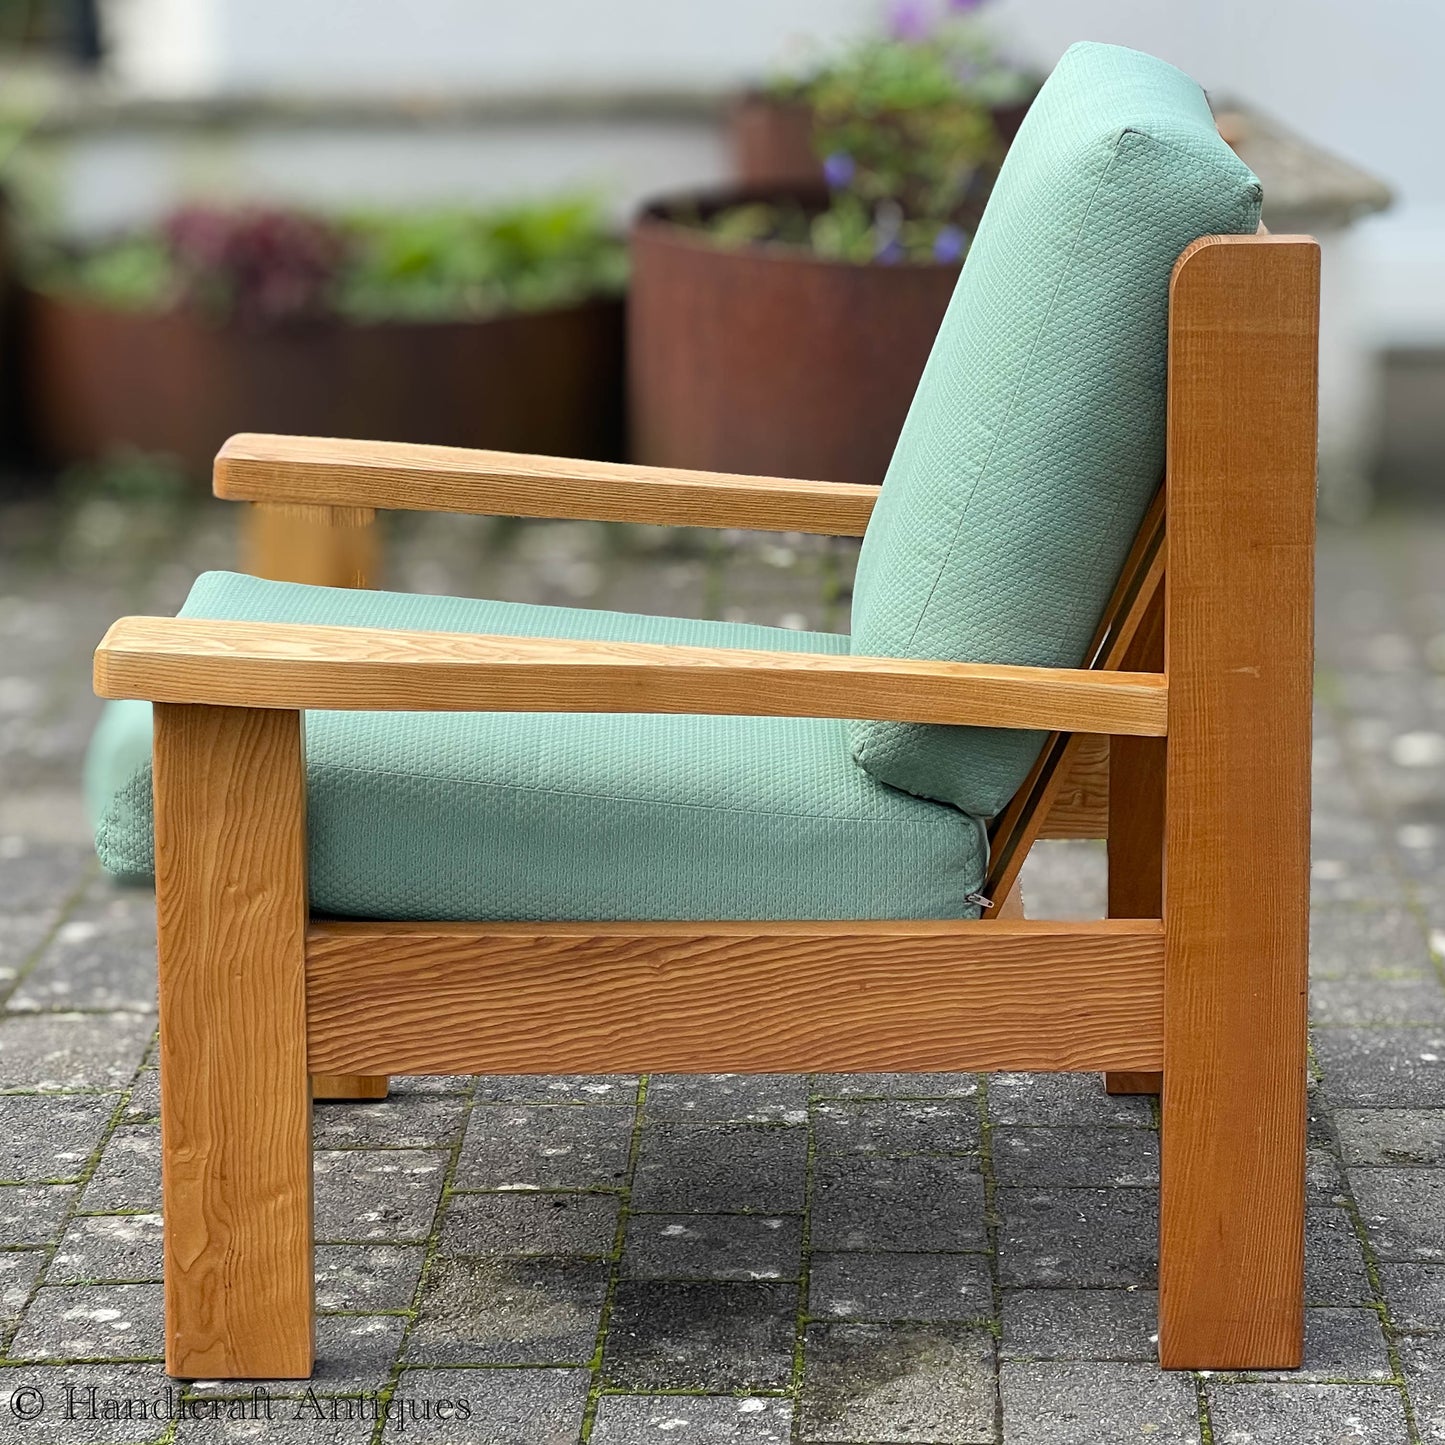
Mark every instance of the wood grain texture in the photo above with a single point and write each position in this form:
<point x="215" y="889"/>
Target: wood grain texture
<point x="1238" y="641"/>
<point x="338" y="1088"/>
<point x="1080" y="808"/>
<point x="322" y="546"/>
<point x="230" y="809"/>
<point x="399" y="475"/>
<point x="325" y="547"/>
<point x="1136" y="821"/>
<point x="732" y="997"/>
<point x="249" y="664"/>
<point x="1023" y="821"/>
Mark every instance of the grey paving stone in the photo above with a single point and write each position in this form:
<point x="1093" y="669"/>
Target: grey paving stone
<point x="367" y="1276"/>
<point x="1324" y="1183"/>
<point x="21" y="935"/>
<point x="51" y="1136"/>
<point x="1415" y="1295"/>
<point x="19" y="1269"/>
<point x="1340" y="1344"/>
<point x="557" y="1088"/>
<point x="896" y="1126"/>
<point x="900" y="1286"/>
<point x="1366" y="942"/>
<point x="1404" y="1211"/>
<point x="916" y="1203"/>
<point x="1372" y="1001"/>
<point x="721" y="1168"/>
<point x="1080" y="1324"/>
<point x="128" y="1176"/>
<point x="728" y="1098"/>
<point x="514" y="1311"/>
<point x="321" y="1420"/>
<point x="72" y="1051"/>
<point x="353" y="1352"/>
<point x="411" y="1121"/>
<point x="382" y="1194"/>
<point x="692" y="1420"/>
<point x="1387" y="1137"/>
<point x="537" y="1146"/>
<point x="34" y="1214"/>
<point x="1079" y="1238"/>
<point x="1334" y="1261"/>
<point x="145" y="1097"/>
<point x="1423" y="1361"/>
<point x="503" y="1407"/>
<point x="1076" y="1157"/>
<point x="92" y="1322"/>
<point x="73" y="1402"/>
<point x="895" y="1086"/>
<point x="523" y="1224"/>
<point x="713" y="1246"/>
<point x="1073" y="1101"/>
<point x="112" y="1247"/>
<point x="102" y="959"/>
<point x="898" y="1382"/>
<point x="1306" y="1414"/>
<point x="1383" y="1067"/>
<point x="39" y="875"/>
<point x="1098" y="1403"/>
<point x="700" y="1335"/>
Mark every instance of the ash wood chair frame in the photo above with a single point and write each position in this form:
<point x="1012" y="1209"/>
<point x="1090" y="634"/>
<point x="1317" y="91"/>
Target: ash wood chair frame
<point x="1198" y="972"/>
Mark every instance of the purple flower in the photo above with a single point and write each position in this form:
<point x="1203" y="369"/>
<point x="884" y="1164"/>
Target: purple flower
<point x="910" y="21"/>
<point x="948" y="244"/>
<point x="890" y="252"/>
<point x="839" y="170"/>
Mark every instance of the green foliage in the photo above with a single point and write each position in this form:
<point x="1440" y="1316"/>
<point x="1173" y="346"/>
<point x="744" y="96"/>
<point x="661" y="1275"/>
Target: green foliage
<point x="132" y="273"/>
<point x="904" y="125"/>
<point x="262" y="266"/>
<point x="440" y="264"/>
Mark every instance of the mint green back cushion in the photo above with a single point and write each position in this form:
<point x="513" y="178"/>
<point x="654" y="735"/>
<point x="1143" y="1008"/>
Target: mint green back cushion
<point x="1036" y="438"/>
<point x="571" y="816"/>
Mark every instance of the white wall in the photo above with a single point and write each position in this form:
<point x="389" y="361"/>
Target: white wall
<point x="1361" y="79"/>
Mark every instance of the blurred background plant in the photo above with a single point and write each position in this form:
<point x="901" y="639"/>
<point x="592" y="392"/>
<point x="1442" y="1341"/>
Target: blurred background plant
<point x="906" y="126"/>
<point x="258" y="265"/>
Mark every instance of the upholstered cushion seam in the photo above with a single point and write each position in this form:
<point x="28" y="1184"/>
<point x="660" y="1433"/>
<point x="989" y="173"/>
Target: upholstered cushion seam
<point x="528" y="788"/>
<point x="1024" y="374"/>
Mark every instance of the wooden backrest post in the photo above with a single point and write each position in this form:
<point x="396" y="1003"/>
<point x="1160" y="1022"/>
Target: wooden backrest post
<point x="1243" y="343"/>
<point x="322" y="546"/>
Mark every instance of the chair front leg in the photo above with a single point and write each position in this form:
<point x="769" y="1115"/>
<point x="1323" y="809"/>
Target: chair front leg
<point x="230" y="818"/>
<point x="1239" y="614"/>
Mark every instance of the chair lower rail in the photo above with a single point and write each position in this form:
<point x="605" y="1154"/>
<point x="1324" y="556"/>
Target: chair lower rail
<point x="540" y="998"/>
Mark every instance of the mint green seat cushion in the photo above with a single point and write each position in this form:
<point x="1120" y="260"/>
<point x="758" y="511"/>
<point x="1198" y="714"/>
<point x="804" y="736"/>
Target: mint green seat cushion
<point x="1036" y="438"/>
<point x="576" y="816"/>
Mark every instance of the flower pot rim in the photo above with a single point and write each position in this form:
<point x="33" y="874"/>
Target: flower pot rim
<point x="79" y="301"/>
<point x="653" y="222"/>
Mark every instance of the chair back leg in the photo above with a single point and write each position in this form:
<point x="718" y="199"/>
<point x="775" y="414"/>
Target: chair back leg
<point x="1238" y="652"/>
<point x="230" y="810"/>
<point x="1136" y="820"/>
<point x="325" y="547"/>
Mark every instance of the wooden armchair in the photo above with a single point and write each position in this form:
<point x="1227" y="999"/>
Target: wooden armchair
<point x="1199" y="677"/>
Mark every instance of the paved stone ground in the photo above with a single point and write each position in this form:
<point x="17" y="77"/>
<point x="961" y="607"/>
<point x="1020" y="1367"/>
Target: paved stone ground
<point x="864" y="1259"/>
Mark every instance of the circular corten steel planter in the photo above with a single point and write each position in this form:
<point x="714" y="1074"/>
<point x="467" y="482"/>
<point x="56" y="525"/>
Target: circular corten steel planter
<point x="767" y="359"/>
<point x="772" y="140"/>
<point x="173" y="382"/>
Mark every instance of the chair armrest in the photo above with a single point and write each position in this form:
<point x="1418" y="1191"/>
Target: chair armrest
<point x="400" y="476"/>
<point x="287" y="665"/>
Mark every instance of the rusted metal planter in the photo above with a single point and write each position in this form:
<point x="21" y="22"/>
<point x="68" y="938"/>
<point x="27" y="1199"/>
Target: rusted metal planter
<point x="772" y="140"/>
<point x="767" y="359"/>
<point x="174" y="382"/>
